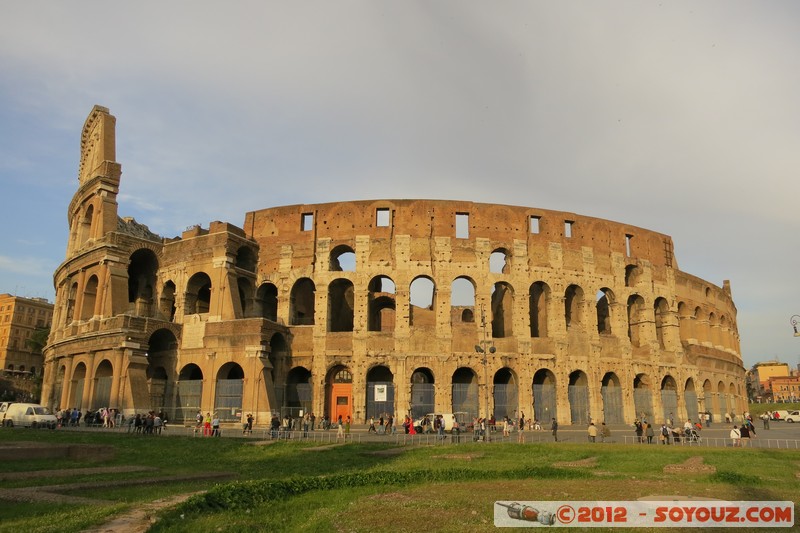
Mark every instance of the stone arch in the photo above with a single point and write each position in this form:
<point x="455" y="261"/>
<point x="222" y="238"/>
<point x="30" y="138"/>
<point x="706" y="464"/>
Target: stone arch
<point x="86" y="225"/>
<point x="229" y="390"/>
<point x="636" y="320"/>
<point x="341" y="305"/>
<point x="422" y="294"/>
<point x="710" y="400"/>
<point x="500" y="261"/>
<point x="466" y="404"/>
<point x="544" y="395"/>
<point x="382" y="307"/>
<point x="246" y="259"/>
<point x="573" y="306"/>
<point x="690" y="401"/>
<point x="380" y="392"/>
<point x="167" y="301"/>
<point x="685" y="321"/>
<point x="198" y="294"/>
<point x="343" y="259"/>
<point x="669" y="398"/>
<point x="161" y="344"/>
<point x="578" y="393"/>
<point x="103" y="378"/>
<point x="77" y="385"/>
<point x="298" y="393"/>
<point x="539" y="301"/>
<point x="72" y="296"/>
<point x="632" y="275"/>
<point x="611" y="393"/>
<point x="266" y="303"/>
<point x="423" y="392"/>
<point x="462" y="301"/>
<point x="89" y="298"/>
<point x="246" y="293"/>
<point x="301" y="303"/>
<point x="339" y="392"/>
<point x="188" y="392"/>
<point x="643" y="397"/>
<point x="604" y="298"/>
<point x="661" y="316"/>
<point x="142" y="271"/>
<point x="506" y="394"/>
<point x="502" y="310"/>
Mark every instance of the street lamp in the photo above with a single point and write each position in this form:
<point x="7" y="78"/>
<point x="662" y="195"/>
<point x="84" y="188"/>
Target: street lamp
<point x="485" y="347"/>
<point x="793" y="321"/>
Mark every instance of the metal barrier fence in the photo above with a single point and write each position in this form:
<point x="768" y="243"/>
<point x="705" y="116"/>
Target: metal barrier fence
<point x="720" y="442"/>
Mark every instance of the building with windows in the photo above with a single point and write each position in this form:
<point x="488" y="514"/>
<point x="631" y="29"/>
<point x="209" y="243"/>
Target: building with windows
<point x="784" y="388"/>
<point x="760" y="375"/>
<point x="19" y="319"/>
<point x="382" y="306"/>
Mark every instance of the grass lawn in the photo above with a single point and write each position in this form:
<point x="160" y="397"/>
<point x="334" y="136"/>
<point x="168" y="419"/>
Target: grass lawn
<point x="294" y="486"/>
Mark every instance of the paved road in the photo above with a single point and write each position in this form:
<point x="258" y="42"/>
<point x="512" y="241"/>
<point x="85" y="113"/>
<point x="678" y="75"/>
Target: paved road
<point x="780" y="435"/>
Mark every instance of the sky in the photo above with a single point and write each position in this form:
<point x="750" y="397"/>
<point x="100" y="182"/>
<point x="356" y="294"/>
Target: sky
<point x="678" y="117"/>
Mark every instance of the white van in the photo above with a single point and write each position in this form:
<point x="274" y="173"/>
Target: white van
<point x="29" y="415"/>
<point x="449" y="421"/>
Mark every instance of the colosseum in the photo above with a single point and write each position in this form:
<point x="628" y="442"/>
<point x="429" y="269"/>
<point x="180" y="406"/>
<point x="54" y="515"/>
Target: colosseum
<point x="382" y="306"/>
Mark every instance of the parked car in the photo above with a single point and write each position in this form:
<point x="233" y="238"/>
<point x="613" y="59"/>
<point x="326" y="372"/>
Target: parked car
<point x="449" y="419"/>
<point x="29" y="415"/>
<point x="779" y="415"/>
<point x="792" y="416"/>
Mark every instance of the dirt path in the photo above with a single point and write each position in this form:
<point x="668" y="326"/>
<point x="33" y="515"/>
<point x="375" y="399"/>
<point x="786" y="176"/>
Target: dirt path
<point x="140" y="518"/>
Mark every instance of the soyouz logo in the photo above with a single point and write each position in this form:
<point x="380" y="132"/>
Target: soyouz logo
<point x="705" y="513"/>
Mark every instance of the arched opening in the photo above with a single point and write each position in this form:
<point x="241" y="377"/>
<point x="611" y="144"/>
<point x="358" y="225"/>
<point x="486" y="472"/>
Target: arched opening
<point x="142" y="281"/>
<point x="499" y="261"/>
<point x="604" y="300"/>
<point x="301" y="303"/>
<point x="85" y="228"/>
<point x="660" y="312"/>
<point x="89" y="298"/>
<point x="421" y="312"/>
<point x="266" y="303"/>
<point x="246" y="302"/>
<point x="578" y="393"/>
<point x="632" y="275"/>
<point x="685" y="321"/>
<point x="539" y="298"/>
<point x="339" y="391"/>
<point x="636" y="320"/>
<point x="341" y="303"/>
<point x="298" y="397"/>
<point x="157" y="387"/>
<point x="573" y="306"/>
<point x="103" y="377"/>
<point x="669" y="398"/>
<point x="343" y="259"/>
<point x="73" y="294"/>
<point x="642" y="397"/>
<point x="465" y="394"/>
<point x="229" y="388"/>
<point x="380" y="392"/>
<point x="77" y="386"/>
<point x="423" y="393"/>
<point x="710" y="401"/>
<point x="382" y="310"/>
<point x="690" y="401"/>
<point x="611" y="392"/>
<point x="188" y="392"/>
<point x="544" y="395"/>
<point x="198" y="294"/>
<point x="246" y="259"/>
<point x="167" y="301"/>
<point x="502" y="310"/>
<point x="462" y="302"/>
<point x="506" y="394"/>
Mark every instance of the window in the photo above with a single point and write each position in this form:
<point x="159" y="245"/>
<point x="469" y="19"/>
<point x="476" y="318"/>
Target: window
<point x="307" y="222"/>
<point x="535" y="225"/>
<point x="382" y="217"/>
<point x="462" y="225"/>
<point x="628" y="239"/>
<point x="568" y="228"/>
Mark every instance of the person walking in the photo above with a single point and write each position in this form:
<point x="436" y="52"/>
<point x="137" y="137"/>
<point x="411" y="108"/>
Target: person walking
<point x="605" y="432"/>
<point x="554" y="429"/>
<point x="521" y="430"/>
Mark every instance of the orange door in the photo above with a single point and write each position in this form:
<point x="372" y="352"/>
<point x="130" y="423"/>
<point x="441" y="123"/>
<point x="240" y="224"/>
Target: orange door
<point x="341" y="401"/>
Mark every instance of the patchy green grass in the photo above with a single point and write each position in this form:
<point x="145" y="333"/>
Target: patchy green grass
<point x="294" y="486"/>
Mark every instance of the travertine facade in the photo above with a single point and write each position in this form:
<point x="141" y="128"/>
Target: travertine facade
<point x="381" y="306"/>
